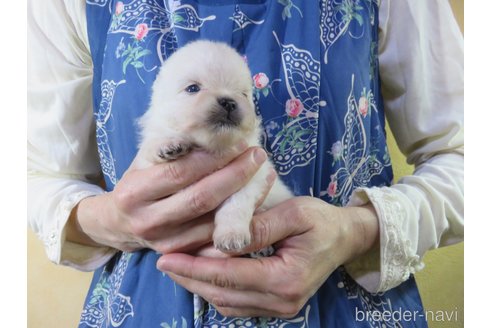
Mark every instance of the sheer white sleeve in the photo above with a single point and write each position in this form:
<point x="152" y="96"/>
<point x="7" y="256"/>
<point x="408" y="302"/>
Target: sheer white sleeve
<point x="421" y="65"/>
<point x="63" y="163"/>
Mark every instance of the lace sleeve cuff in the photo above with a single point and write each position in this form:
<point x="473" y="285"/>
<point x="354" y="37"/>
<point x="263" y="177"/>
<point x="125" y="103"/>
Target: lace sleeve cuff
<point x="396" y="258"/>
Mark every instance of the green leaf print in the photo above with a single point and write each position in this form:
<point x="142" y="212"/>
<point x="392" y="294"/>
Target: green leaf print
<point x="301" y="133"/>
<point x="125" y="63"/>
<point x="349" y="11"/>
<point x="133" y="53"/>
<point x="174" y="324"/>
<point x="289" y="4"/>
<point x="127" y="51"/>
<point x="142" y="53"/>
<point x="100" y="292"/>
<point x="177" y="18"/>
<point x="299" y="145"/>
<point x="291" y="135"/>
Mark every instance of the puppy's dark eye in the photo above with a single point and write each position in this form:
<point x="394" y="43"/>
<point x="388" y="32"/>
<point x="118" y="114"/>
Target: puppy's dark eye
<point x="192" y="88"/>
<point x="245" y="94"/>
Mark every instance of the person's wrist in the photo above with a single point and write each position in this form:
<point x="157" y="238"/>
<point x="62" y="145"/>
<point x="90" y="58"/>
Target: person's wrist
<point x="362" y="232"/>
<point x="82" y="220"/>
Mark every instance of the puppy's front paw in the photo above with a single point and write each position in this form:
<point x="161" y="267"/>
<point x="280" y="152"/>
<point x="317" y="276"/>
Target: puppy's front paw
<point x="173" y="151"/>
<point x="231" y="239"/>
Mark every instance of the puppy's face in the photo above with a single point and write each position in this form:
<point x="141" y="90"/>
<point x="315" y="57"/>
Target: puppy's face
<point x="204" y="91"/>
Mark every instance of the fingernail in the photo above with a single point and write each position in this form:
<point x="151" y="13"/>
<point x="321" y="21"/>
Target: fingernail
<point x="241" y="146"/>
<point x="260" y="156"/>
<point x="163" y="264"/>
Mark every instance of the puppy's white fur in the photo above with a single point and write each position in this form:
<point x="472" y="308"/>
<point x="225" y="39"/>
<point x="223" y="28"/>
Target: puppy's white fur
<point x="181" y="118"/>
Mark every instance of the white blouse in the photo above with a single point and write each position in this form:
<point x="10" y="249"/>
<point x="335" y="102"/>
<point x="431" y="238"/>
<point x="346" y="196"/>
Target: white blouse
<point x="421" y="64"/>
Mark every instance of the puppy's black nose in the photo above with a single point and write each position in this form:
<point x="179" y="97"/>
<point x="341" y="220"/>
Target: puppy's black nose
<point x="227" y="103"/>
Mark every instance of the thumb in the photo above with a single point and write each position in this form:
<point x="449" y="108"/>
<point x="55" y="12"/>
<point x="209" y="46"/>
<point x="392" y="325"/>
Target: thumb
<point x="277" y="224"/>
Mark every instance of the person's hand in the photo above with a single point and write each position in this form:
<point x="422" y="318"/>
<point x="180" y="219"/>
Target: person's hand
<point x="311" y="237"/>
<point x="165" y="207"/>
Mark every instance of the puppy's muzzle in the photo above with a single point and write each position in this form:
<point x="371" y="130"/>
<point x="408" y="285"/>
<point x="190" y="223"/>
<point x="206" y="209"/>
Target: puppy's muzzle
<point x="226" y="113"/>
<point x="227" y="104"/>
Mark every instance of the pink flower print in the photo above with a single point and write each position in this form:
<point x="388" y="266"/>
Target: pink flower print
<point x="293" y="107"/>
<point x="119" y="8"/>
<point x="261" y="80"/>
<point x="332" y="188"/>
<point x="141" y="31"/>
<point x="363" y="106"/>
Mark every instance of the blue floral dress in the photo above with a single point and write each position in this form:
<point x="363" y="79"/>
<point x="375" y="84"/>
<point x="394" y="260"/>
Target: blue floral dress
<point x="317" y="88"/>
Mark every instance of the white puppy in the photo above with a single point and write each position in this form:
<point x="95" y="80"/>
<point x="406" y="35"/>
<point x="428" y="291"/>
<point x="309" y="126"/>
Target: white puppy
<point x="202" y="97"/>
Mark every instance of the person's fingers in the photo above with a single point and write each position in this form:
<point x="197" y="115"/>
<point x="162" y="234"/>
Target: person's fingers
<point x="235" y="273"/>
<point x="240" y="303"/>
<point x="270" y="180"/>
<point x="164" y="179"/>
<point x="185" y="238"/>
<point x="208" y="193"/>
<point x="209" y="250"/>
<point x="276" y="224"/>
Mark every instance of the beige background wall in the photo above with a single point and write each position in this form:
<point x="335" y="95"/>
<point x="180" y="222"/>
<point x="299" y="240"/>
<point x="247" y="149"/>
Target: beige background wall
<point x="56" y="294"/>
